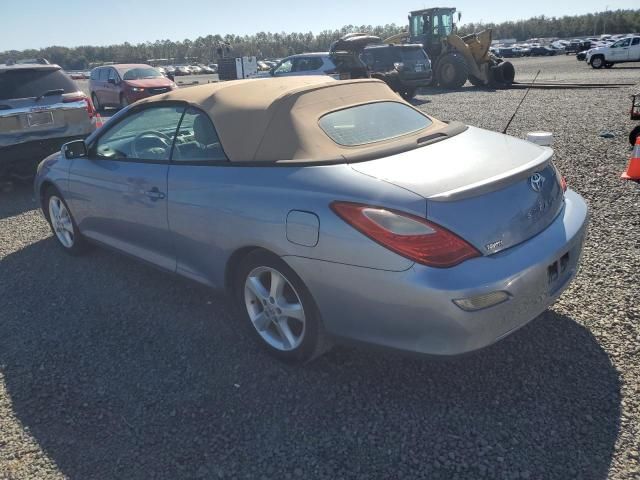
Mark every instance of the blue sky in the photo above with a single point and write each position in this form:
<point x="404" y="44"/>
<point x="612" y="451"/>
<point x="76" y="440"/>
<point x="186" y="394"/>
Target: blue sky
<point x="41" y="23"/>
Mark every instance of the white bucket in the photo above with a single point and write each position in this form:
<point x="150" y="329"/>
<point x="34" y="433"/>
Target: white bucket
<point x="544" y="139"/>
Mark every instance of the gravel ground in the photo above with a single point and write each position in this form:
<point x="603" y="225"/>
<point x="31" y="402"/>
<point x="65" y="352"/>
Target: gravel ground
<point x="110" y="369"/>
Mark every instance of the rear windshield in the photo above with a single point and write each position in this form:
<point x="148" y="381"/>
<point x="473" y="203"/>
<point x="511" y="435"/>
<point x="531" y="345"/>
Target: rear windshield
<point x="137" y="73"/>
<point x="31" y="82"/>
<point x="372" y="122"/>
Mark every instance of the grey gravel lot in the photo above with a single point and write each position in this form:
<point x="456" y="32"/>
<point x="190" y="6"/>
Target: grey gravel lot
<point x="110" y="369"/>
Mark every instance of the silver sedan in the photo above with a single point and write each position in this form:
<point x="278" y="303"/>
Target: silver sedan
<point x="328" y="210"/>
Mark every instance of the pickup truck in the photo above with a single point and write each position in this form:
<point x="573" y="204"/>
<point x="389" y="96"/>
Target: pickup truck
<point x="624" y="50"/>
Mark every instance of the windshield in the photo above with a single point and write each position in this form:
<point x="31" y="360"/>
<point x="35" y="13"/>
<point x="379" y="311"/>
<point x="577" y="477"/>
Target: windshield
<point x="138" y="73"/>
<point x="372" y="122"/>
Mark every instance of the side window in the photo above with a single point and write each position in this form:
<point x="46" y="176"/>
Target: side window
<point x="103" y="74"/>
<point x="315" y="63"/>
<point x="94" y="74"/>
<point x="285" y="67"/>
<point x="144" y="135"/>
<point x="198" y="140"/>
<point x="300" y="64"/>
<point x="112" y="74"/>
<point x="636" y="41"/>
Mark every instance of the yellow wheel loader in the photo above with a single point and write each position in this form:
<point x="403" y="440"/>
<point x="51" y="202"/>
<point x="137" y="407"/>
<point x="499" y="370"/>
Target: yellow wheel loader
<point x="455" y="59"/>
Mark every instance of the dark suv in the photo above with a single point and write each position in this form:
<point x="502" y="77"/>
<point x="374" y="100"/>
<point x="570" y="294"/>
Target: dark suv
<point x="405" y="68"/>
<point x="40" y="109"/>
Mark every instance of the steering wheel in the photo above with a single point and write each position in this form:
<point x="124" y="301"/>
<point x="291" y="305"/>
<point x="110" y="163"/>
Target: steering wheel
<point x="160" y="139"/>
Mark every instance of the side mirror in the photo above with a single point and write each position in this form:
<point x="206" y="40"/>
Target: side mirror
<point x="75" y="149"/>
<point x="112" y="81"/>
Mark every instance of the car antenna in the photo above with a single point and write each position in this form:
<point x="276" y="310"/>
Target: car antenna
<point x="522" y="100"/>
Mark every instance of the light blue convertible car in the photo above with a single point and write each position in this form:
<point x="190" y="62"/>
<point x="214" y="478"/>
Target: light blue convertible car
<point x="328" y="209"/>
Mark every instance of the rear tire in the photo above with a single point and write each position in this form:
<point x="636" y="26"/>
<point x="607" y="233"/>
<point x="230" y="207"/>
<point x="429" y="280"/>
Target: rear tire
<point x="261" y="304"/>
<point x="408" y="93"/>
<point x="62" y="224"/>
<point x="597" y="62"/>
<point x="452" y="71"/>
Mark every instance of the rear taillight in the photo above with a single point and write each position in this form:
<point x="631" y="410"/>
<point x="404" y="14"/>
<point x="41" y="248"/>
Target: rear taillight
<point x="408" y="235"/>
<point x="81" y="97"/>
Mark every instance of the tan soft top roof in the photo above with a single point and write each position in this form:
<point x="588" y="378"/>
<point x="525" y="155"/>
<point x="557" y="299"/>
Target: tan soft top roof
<point x="276" y="119"/>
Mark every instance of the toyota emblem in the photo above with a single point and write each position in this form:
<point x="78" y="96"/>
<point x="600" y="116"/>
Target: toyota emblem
<point x="536" y="180"/>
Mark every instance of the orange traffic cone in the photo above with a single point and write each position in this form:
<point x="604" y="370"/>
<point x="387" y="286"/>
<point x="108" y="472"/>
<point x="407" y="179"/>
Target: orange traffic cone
<point x="99" y="122"/>
<point x="633" y="169"/>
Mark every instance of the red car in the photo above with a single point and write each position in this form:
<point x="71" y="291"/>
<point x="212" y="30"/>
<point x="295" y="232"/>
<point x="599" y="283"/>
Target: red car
<point x="120" y="85"/>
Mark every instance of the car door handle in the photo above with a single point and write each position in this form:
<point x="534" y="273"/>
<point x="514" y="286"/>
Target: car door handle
<point x="155" y="194"/>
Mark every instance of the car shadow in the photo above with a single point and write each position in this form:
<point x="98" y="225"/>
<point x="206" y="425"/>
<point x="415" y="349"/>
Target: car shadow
<point x="16" y="198"/>
<point x="433" y="91"/>
<point x="119" y="371"/>
<point x="626" y="67"/>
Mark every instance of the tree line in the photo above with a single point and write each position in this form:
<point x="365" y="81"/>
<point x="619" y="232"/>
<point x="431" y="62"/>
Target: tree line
<point x="276" y="45"/>
<point x="591" y="24"/>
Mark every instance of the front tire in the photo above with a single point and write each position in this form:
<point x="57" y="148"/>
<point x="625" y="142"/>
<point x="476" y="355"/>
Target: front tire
<point x="452" y="71"/>
<point x="277" y="308"/>
<point x="62" y="224"/>
<point x="597" y="62"/>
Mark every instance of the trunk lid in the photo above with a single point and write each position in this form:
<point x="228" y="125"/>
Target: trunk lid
<point x="493" y="190"/>
<point x="24" y="120"/>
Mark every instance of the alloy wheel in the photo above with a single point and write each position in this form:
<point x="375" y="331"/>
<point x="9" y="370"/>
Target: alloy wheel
<point x="275" y="308"/>
<point x="61" y="221"/>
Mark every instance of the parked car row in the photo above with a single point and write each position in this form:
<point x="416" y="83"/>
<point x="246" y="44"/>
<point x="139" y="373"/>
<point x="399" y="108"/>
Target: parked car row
<point x="526" y="50"/>
<point x="178" y="70"/>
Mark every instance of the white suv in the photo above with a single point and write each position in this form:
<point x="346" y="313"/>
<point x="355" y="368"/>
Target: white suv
<point x="624" y="50"/>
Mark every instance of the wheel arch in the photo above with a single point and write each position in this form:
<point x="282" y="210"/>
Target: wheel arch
<point x="233" y="262"/>
<point x="44" y="186"/>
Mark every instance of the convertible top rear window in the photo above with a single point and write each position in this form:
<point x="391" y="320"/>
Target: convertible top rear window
<point x="372" y="122"/>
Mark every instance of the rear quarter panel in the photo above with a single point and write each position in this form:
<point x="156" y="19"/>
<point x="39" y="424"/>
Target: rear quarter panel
<point x="214" y="211"/>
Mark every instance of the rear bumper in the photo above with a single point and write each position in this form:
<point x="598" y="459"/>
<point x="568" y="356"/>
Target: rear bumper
<point x="414" y="310"/>
<point x="23" y="158"/>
